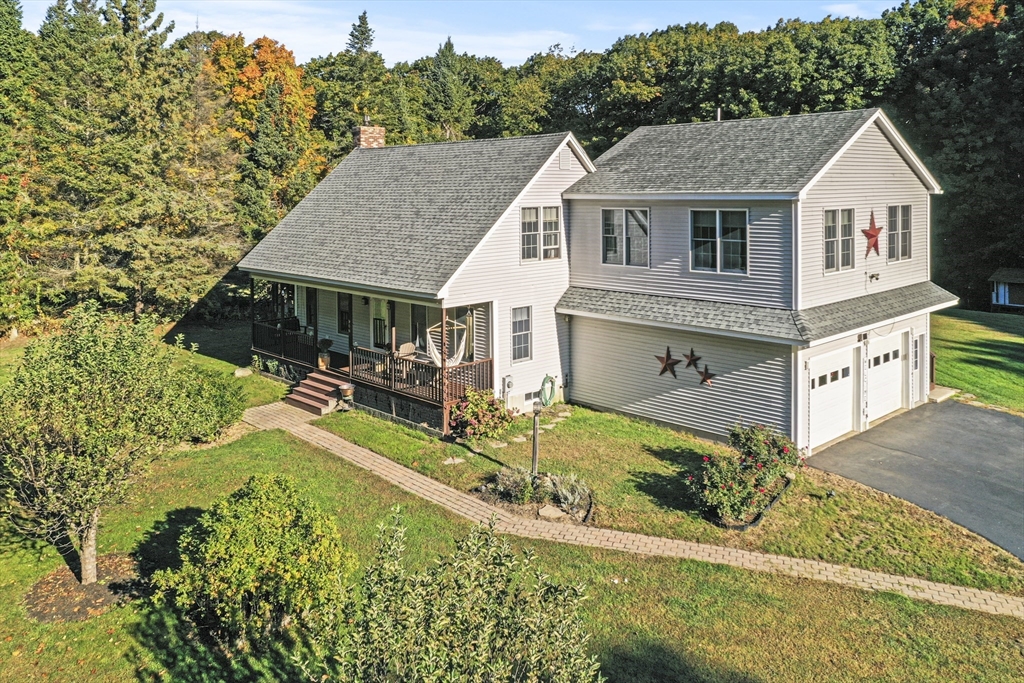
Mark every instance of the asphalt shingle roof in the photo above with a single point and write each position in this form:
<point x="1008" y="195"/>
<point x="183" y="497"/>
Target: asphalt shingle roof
<point x="1010" y="275"/>
<point x="402" y="218"/>
<point x="780" y="154"/>
<point x="805" y="326"/>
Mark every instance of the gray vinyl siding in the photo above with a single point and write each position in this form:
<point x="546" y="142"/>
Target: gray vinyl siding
<point x="495" y="273"/>
<point x="869" y="176"/>
<point x="616" y="369"/>
<point x="768" y="282"/>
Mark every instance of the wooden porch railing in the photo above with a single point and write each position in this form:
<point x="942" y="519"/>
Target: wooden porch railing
<point x="283" y="338"/>
<point x="417" y="378"/>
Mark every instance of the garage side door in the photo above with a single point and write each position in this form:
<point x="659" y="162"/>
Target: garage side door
<point x="832" y="396"/>
<point x="885" y="376"/>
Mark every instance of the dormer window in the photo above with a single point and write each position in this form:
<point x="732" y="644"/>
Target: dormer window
<point x="719" y="241"/>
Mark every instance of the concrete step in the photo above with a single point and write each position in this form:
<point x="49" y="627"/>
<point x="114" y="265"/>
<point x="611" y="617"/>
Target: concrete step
<point x="306" y="404"/>
<point x="940" y="394"/>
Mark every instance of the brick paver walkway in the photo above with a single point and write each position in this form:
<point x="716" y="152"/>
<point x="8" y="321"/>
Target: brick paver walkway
<point x="296" y="422"/>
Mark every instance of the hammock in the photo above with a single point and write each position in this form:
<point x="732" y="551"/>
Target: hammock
<point x="435" y="353"/>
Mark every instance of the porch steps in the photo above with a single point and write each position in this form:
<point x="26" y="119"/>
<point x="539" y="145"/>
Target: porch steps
<point x="317" y="394"/>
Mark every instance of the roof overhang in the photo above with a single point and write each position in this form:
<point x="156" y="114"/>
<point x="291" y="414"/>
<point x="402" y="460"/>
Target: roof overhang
<point x="564" y="310"/>
<point x="897" y="141"/>
<point x="684" y="196"/>
<point x="884" y="323"/>
<point x="289" y="278"/>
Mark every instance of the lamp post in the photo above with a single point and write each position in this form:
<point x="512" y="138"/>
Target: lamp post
<point x="536" y="434"/>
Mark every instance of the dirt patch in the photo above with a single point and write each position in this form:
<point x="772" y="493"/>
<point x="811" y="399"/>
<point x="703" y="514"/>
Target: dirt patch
<point x="59" y="597"/>
<point x="232" y="433"/>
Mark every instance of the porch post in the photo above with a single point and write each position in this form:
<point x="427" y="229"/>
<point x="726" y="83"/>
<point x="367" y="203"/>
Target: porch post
<point x="351" y="318"/>
<point x="316" y="327"/>
<point x="392" y="310"/>
<point x="444" y="365"/>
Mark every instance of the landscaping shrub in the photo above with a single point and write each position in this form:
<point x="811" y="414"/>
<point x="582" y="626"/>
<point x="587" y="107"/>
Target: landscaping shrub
<point x="480" y="415"/>
<point x="515" y="484"/>
<point x="734" y="484"/>
<point x="255" y="562"/>
<point x="482" y="613"/>
<point x="569" y="491"/>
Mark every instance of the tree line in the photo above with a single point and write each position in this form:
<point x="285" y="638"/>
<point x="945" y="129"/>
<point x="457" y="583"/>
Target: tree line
<point x="136" y="169"/>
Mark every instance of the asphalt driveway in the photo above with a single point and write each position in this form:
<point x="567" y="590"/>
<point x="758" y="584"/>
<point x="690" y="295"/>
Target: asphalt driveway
<point x="963" y="462"/>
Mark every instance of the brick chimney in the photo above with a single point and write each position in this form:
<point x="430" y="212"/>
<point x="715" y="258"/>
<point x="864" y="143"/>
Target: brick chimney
<point x="368" y="136"/>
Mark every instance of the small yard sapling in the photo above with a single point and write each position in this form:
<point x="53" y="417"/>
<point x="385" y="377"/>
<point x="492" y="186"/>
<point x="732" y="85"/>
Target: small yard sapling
<point x="86" y="411"/>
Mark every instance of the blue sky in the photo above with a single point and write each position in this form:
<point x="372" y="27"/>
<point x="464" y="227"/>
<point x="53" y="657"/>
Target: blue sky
<point x="510" y="31"/>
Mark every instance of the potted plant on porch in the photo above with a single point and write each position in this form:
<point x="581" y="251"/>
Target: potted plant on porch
<point x="324" y="357"/>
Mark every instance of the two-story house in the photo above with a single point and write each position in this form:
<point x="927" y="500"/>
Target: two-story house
<point x="770" y="270"/>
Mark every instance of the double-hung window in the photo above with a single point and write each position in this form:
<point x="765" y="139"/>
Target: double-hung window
<point x="540" y="233"/>
<point x="529" y="235"/>
<point x="521" y="334"/>
<point x="626" y="237"/>
<point x="838" y="240"/>
<point x="719" y="240"/>
<point x="897" y="233"/>
<point x="552" y="235"/>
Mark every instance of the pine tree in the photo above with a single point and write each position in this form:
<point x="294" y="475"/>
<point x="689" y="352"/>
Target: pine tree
<point x="449" y="103"/>
<point x="350" y="87"/>
<point x="17" y="69"/>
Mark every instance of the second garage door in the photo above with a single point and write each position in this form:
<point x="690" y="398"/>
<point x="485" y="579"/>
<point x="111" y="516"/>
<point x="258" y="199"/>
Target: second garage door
<point x="885" y="376"/>
<point x="832" y="396"/>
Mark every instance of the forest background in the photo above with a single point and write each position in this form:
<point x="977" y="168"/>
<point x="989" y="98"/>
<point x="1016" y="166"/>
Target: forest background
<point x="136" y="170"/>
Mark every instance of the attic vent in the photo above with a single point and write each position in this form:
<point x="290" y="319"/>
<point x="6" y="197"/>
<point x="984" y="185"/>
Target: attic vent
<point x="563" y="160"/>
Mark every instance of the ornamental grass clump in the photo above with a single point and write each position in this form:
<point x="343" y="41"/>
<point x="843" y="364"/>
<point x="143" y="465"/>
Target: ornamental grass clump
<point x="569" y="491"/>
<point x="480" y="415"/>
<point x="737" y="484"/>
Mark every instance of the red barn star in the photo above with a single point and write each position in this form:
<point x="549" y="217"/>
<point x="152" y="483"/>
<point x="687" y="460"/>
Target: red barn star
<point x="872" y="234"/>
<point x="668" y="363"/>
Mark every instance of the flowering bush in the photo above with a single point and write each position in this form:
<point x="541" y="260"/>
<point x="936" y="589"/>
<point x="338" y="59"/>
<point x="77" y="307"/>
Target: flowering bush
<point x="733" y="484"/>
<point x="480" y="415"/>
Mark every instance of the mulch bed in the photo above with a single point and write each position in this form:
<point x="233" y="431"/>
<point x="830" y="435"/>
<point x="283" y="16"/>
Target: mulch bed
<point x="532" y="510"/>
<point x="59" y="597"/>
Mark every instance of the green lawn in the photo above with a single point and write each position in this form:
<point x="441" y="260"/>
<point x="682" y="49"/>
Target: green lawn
<point x="636" y="470"/>
<point x="222" y="348"/>
<point x="982" y="354"/>
<point x="672" y="621"/>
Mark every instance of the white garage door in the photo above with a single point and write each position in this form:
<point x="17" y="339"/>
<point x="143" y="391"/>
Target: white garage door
<point x="885" y="376"/>
<point x="832" y="392"/>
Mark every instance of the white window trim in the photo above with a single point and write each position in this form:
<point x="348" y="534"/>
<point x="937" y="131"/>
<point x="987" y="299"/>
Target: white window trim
<point x="650" y="235"/>
<point x="718" y="243"/>
<point x="540" y="233"/>
<point x="512" y="335"/>
<point x="839" y="243"/>
<point x="898" y="258"/>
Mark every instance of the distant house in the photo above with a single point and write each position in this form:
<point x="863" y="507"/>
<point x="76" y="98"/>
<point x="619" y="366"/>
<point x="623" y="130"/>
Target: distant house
<point x="769" y="270"/>
<point x="1008" y="289"/>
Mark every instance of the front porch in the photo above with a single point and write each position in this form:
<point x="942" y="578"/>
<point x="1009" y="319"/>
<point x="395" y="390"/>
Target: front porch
<point x="409" y="360"/>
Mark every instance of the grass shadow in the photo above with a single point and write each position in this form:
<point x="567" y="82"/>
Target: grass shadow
<point x="645" y="660"/>
<point x="669" y="490"/>
<point x="168" y="648"/>
<point x="158" y="549"/>
<point x="229" y="341"/>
